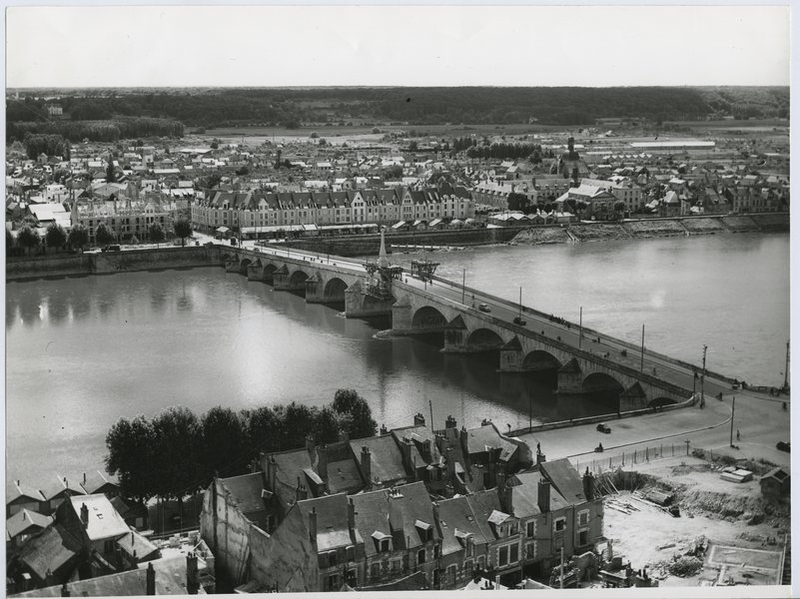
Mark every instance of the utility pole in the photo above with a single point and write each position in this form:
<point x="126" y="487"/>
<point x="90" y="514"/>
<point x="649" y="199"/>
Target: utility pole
<point x="641" y="367"/>
<point x="430" y="406"/>
<point x="733" y="411"/>
<point x="463" y="284"/>
<point x="703" y="377"/>
<point x="561" y="571"/>
<point x="786" y="370"/>
<point x="580" y="329"/>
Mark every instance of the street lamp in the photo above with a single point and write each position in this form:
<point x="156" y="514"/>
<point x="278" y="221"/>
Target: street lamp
<point x="703" y="377"/>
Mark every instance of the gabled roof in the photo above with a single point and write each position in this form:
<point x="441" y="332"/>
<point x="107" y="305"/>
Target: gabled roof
<point x="482" y="505"/>
<point x="487" y="436"/>
<point x="137" y="546"/>
<point x="525" y="495"/>
<point x="245" y="490"/>
<point x="332" y="528"/>
<point x="95" y="481"/>
<point x="104" y="521"/>
<point x="457" y="522"/>
<point x="565" y="479"/>
<point x="386" y="462"/>
<point x="24" y="520"/>
<point x="61" y="486"/>
<point x="20" y="490"/>
<point x="289" y="467"/>
<point x="51" y="549"/>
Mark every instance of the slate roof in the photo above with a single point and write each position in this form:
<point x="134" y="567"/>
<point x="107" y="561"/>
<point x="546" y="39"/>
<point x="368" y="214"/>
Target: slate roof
<point x="246" y="490"/>
<point x="289" y="466"/>
<point x="525" y="496"/>
<point x="386" y="458"/>
<point x="170" y="580"/>
<point x="483" y="504"/>
<point x="136" y="545"/>
<point x="21" y="490"/>
<point x="24" y="520"/>
<point x="95" y="481"/>
<point x="104" y="521"/>
<point x="344" y="475"/>
<point x="50" y="550"/>
<point x="565" y="479"/>
<point x="332" y="528"/>
<point x="488" y="436"/>
<point x="59" y="486"/>
<point x="456" y="522"/>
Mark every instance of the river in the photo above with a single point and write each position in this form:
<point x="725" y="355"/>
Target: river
<point x="81" y="352"/>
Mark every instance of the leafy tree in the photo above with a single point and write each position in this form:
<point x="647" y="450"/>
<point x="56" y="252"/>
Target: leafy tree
<point x="327" y="427"/>
<point x="78" y="237"/>
<point x="222" y="443"/>
<point x="103" y="234"/>
<point x="264" y="430"/>
<point x="110" y="175"/>
<point x="130" y="456"/>
<point x="355" y="412"/>
<point x="518" y="201"/>
<point x="156" y="233"/>
<point x="176" y="444"/>
<point x="298" y="424"/>
<point x="55" y="236"/>
<point x="28" y="238"/>
<point x="183" y="229"/>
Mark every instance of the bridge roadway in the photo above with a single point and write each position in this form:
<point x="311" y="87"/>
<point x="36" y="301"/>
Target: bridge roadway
<point x="655" y="365"/>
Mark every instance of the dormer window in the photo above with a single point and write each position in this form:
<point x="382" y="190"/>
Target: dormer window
<point x="425" y="531"/>
<point x="382" y="541"/>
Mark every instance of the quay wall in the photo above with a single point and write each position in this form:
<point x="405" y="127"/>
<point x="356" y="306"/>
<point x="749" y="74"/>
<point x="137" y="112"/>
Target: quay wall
<point x="128" y="260"/>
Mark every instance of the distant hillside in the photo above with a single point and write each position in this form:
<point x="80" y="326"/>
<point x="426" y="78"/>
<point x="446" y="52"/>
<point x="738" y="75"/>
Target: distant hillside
<point x="209" y="107"/>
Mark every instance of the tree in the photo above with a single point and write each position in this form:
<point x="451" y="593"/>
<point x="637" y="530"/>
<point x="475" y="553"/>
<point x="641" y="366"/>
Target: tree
<point x="355" y="412"/>
<point x="183" y="229"/>
<point x="327" y="427"/>
<point x="55" y="236"/>
<point x="110" y="176"/>
<point x="78" y="237"/>
<point x="222" y="447"/>
<point x="264" y="430"/>
<point x="103" y="234"/>
<point x="518" y="201"/>
<point x="156" y="233"/>
<point x="176" y="444"/>
<point x="298" y="424"/>
<point x="130" y="456"/>
<point x="28" y="238"/>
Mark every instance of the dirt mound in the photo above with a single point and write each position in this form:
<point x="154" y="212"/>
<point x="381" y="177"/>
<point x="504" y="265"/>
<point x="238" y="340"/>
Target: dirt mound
<point x="733" y="508"/>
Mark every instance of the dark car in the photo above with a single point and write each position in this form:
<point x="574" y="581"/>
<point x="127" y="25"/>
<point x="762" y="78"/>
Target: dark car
<point x="484" y="308"/>
<point x="603" y="428"/>
<point x="112" y="248"/>
<point x="520" y="321"/>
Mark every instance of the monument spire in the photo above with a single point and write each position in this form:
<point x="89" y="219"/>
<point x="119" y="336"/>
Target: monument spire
<point x="383" y="260"/>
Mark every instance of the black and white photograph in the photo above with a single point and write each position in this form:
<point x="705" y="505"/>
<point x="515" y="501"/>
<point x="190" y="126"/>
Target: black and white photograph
<point x="407" y="299"/>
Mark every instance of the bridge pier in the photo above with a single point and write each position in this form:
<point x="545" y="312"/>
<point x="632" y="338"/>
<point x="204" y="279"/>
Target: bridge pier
<point x="232" y="266"/>
<point x="570" y="378"/>
<point x="512" y="356"/>
<point x="359" y="305"/>
<point x="282" y="281"/>
<point x="255" y="272"/>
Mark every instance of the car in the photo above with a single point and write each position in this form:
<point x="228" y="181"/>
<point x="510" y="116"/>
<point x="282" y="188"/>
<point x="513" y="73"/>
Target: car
<point x="112" y="248"/>
<point x="484" y="308"/>
<point x="603" y="428"/>
<point x="520" y="321"/>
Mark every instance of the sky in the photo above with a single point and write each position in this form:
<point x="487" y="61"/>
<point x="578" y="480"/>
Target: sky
<point x="177" y="46"/>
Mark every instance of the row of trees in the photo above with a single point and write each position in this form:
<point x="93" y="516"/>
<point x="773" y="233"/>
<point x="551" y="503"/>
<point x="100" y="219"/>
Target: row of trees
<point x="28" y="239"/>
<point x="96" y="130"/>
<point x="176" y="452"/>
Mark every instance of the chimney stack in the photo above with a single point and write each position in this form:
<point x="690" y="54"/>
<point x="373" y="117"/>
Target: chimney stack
<point x="322" y="462"/>
<point x="405" y="449"/>
<point x="151" y="580"/>
<point x="464" y="441"/>
<point x="64" y="590"/>
<point x="419" y="419"/>
<point x="192" y="574"/>
<point x="310" y="444"/>
<point x="366" y="464"/>
<point x="312" y="524"/>
<point x="85" y="515"/>
<point x="450" y="422"/>
<point x="384" y="430"/>
<point x="588" y="485"/>
<point x="543" y="496"/>
<point x="351" y="514"/>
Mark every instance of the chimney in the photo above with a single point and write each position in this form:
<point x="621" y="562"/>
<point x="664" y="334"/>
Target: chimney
<point x="504" y="493"/>
<point x="85" y="515"/>
<point x="151" y="580"/>
<point x="192" y="574"/>
<point x="300" y="491"/>
<point x="310" y="444"/>
<point x="64" y="590"/>
<point x="419" y="419"/>
<point x="450" y="422"/>
<point x="588" y="485"/>
<point x="84" y="478"/>
<point x="464" y="441"/>
<point x="322" y="462"/>
<point x="405" y="449"/>
<point x="351" y="514"/>
<point x="384" y="430"/>
<point x="366" y="464"/>
<point x="273" y="473"/>
<point x="543" y="496"/>
<point x="312" y="525"/>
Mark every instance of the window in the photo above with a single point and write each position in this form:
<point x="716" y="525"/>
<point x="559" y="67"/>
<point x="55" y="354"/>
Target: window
<point x="450" y="575"/>
<point x="331" y="558"/>
<point x="530" y="550"/>
<point x="470" y="548"/>
<point x="375" y="570"/>
<point x="502" y="556"/>
<point x="513" y="528"/>
<point x="531" y="529"/>
<point x="514" y="557"/>
<point x="435" y="552"/>
<point x="333" y="582"/>
<point x="583" y="537"/>
<point x="583" y="518"/>
<point x="396" y="565"/>
<point x="482" y="562"/>
<point x="468" y="568"/>
<point x="559" y="524"/>
<point x="421" y="556"/>
<point x="351" y="553"/>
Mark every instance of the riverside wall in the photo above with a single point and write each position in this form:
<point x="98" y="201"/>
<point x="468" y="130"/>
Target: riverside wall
<point x="129" y="260"/>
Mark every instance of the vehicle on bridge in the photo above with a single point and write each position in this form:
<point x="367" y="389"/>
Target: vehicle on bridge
<point x="603" y="428"/>
<point x="520" y="321"/>
<point x="484" y="308"/>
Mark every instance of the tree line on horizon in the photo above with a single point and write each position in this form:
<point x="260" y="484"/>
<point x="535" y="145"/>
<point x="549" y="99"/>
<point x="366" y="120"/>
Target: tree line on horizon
<point x="176" y="452"/>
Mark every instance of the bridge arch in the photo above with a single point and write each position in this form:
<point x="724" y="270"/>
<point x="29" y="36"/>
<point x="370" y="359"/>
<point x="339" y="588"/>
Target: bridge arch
<point x="269" y="270"/>
<point x="428" y="317"/>
<point x="243" y="264"/>
<point x="661" y="401"/>
<point x="601" y="381"/>
<point x="334" y="289"/>
<point x="484" y="340"/>
<point x="298" y="278"/>
<point x="540" y="359"/>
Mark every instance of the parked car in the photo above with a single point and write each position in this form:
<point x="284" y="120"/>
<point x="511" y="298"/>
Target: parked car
<point x="484" y="308"/>
<point x="520" y="321"/>
<point x="112" y="248"/>
<point x="603" y="428"/>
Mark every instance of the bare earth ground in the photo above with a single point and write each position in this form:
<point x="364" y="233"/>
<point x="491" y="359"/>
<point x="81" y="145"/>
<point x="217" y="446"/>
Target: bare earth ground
<point x="710" y="506"/>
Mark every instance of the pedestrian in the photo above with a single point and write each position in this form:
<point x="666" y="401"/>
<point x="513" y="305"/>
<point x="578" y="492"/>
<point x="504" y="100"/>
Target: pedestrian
<point x="737" y="434"/>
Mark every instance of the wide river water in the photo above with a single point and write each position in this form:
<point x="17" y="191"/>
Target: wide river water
<point x="81" y="352"/>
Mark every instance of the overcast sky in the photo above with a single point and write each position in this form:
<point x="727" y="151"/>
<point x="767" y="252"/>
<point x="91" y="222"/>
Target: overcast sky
<point x="390" y="45"/>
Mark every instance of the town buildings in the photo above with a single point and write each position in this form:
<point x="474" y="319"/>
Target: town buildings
<point x="409" y="508"/>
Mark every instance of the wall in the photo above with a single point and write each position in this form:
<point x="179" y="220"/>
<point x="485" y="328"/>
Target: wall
<point x="226" y="531"/>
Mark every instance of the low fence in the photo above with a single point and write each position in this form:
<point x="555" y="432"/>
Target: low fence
<point x="629" y="459"/>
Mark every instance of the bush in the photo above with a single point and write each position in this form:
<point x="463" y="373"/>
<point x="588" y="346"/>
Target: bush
<point x="685" y="566"/>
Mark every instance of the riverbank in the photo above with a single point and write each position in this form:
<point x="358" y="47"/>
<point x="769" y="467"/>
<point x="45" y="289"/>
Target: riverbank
<point x="92" y="263"/>
<point x="653" y="228"/>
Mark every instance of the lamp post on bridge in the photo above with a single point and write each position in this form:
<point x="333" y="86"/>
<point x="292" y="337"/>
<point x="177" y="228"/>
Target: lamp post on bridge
<point x="641" y="366"/>
<point x="580" y="329"/>
<point x="703" y="377"/>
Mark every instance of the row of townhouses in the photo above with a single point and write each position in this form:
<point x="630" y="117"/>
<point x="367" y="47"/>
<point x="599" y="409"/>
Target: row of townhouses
<point x="408" y="509"/>
<point x="252" y="210"/>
